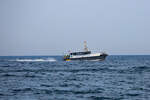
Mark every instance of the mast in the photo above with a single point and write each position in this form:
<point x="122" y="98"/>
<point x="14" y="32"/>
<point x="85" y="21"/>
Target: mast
<point x="85" y="46"/>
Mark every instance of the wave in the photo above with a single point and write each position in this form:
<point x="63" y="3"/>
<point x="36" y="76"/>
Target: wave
<point x="37" y="60"/>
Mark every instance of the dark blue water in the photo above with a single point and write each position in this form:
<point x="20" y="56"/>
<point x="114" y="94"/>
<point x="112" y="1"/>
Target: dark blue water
<point x="49" y="78"/>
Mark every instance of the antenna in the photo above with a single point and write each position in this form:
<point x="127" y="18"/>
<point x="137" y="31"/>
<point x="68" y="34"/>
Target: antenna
<point x="85" y="46"/>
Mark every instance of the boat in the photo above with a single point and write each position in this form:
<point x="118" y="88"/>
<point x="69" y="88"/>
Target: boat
<point x="85" y="55"/>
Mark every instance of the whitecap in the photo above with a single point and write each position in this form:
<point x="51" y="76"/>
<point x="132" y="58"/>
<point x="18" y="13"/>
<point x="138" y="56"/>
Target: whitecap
<point x="37" y="60"/>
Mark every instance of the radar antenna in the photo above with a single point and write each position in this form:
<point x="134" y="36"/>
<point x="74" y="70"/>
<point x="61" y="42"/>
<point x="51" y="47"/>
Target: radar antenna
<point x="85" y="46"/>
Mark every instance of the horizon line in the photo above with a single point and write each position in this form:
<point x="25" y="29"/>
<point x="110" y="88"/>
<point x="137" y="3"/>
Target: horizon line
<point x="62" y="55"/>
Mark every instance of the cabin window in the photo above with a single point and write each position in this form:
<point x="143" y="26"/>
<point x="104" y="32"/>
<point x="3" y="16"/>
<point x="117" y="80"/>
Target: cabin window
<point x="80" y="53"/>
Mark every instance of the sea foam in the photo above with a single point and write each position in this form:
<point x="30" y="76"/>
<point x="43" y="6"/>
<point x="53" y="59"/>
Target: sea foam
<point x="37" y="60"/>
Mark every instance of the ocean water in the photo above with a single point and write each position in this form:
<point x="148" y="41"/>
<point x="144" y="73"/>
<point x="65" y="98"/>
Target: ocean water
<point x="50" y="78"/>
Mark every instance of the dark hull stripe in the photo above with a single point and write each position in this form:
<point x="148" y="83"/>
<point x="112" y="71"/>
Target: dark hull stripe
<point x="101" y="57"/>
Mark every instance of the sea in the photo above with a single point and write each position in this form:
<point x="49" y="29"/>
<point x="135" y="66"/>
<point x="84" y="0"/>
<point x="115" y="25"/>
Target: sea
<point x="119" y="77"/>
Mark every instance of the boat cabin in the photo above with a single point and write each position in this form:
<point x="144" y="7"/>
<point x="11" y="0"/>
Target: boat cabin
<point x="80" y="53"/>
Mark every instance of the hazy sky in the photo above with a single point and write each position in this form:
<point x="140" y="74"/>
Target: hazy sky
<point x="51" y="27"/>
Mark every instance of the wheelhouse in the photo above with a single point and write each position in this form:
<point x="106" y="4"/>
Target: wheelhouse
<point x="80" y="53"/>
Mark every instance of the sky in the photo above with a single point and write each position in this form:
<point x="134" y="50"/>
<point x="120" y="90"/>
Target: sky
<point x="52" y="27"/>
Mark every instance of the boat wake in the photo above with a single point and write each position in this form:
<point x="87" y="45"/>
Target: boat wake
<point x="37" y="60"/>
